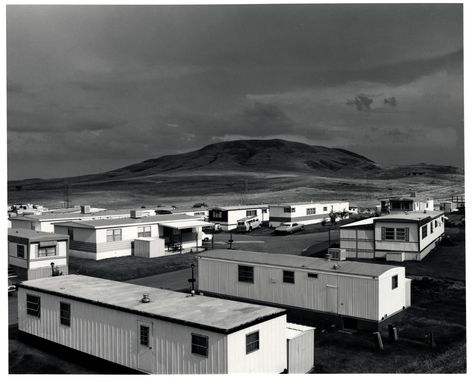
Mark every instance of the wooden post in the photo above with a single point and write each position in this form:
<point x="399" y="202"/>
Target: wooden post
<point x="378" y="340"/>
<point x="180" y="244"/>
<point x="392" y="333"/>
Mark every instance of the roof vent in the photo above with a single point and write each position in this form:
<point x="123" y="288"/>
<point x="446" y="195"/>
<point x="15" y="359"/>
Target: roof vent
<point x="336" y="266"/>
<point x="145" y="298"/>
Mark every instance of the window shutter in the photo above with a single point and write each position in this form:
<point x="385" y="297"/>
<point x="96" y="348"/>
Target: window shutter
<point x="383" y="233"/>
<point x="407" y="234"/>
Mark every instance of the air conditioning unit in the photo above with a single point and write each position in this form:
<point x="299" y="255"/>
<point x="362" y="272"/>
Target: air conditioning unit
<point x="136" y="213"/>
<point x="336" y="254"/>
<point x="85" y="209"/>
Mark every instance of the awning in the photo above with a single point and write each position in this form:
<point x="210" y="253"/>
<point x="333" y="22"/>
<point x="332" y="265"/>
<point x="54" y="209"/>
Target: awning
<point x="185" y="224"/>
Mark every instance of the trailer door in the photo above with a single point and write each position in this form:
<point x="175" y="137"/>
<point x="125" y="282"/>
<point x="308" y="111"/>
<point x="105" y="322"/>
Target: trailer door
<point x="146" y="352"/>
<point x="331" y="299"/>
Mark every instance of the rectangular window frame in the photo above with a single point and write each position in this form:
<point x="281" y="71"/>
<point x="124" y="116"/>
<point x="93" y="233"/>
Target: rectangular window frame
<point x="311" y="211"/>
<point x="20" y="251"/>
<point x="251" y="213"/>
<point x="47" y="251"/>
<point x="288" y="276"/>
<point x="144" y="231"/>
<point x="200" y="345"/>
<point x="424" y="231"/>
<point x="114" y="235"/>
<point x="246" y="274"/>
<point x="144" y="335"/>
<point x="313" y="275"/>
<point x="65" y="314"/>
<point x="33" y="305"/>
<point x="252" y="342"/>
<point x="394" y="282"/>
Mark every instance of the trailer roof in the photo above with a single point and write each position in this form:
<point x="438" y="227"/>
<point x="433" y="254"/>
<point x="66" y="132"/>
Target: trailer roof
<point x="411" y="216"/>
<point x="213" y="314"/>
<point x="240" y="207"/>
<point x="35" y="236"/>
<point x="306" y="203"/>
<point x="128" y="221"/>
<point x="70" y="216"/>
<point x="297" y="261"/>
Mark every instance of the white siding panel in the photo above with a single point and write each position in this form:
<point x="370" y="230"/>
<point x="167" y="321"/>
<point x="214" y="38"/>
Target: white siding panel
<point x="271" y="356"/>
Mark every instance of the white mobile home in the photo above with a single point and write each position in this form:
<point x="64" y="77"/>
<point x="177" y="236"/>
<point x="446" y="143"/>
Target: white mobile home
<point x="305" y="213"/>
<point x="30" y="253"/>
<point x="395" y="237"/>
<point x="45" y="222"/>
<point x="228" y="216"/>
<point x="350" y="294"/>
<point x="406" y="203"/>
<point x="153" y="330"/>
<point x="107" y="238"/>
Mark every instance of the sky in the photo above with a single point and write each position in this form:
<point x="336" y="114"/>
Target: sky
<point x="94" y="88"/>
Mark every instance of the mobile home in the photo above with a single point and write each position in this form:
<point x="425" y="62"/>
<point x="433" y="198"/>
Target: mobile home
<point x="228" y="216"/>
<point x="153" y="330"/>
<point x="406" y="203"/>
<point x="34" y="254"/>
<point x="45" y="222"/>
<point x="348" y="294"/>
<point x="304" y="213"/>
<point x="107" y="238"/>
<point x="395" y="237"/>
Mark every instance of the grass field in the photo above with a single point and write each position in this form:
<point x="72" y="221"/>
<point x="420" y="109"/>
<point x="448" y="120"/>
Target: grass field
<point x="124" y="268"/>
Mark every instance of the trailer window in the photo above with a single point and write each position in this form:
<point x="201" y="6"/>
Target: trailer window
<point x="288" y="276"/>
<point x="313" y="275"/>
<point x="289" y="210"/>
<point x="394" y="282"/>
<point x="388" y="233"/>
<point x="250" y="213"/>
<point x="20" y="251"/>
<point x="245" y="274"/>
<point x="200" y="344"/>
<point x="431" y="227"/>
<point x="252" y="342"/>
<point x="49" y="251"/>
<point x="114" y="235"/>
<point x="65" y="313"/>
<point x="310" y="211"/>
<point x="424" y="231"/>
<point x="33" y="305"/>
<point x="144" y="335"/>
<point x="144" y="231"/>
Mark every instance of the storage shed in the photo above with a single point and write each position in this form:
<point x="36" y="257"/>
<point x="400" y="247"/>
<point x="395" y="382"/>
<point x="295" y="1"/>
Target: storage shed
<point x="153" y="330"/>
<point x="352" y="295"/>
<point x="300" y="348"/>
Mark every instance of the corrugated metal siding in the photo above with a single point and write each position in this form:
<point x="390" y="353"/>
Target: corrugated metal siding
<point x="271" y="356"/>
<point x="300" y="353"/>
<point x="112" y="335"/>
<point x="358" y="295"/>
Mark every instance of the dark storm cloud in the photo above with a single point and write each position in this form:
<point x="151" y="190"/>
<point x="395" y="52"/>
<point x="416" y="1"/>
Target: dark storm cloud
<point x="361" y="102"/>
<point x="122" y="82"/>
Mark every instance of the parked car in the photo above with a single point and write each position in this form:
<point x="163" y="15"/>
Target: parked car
<point x="288" y="228"/>
<point x="206" y="237"/>
<point x="248" y="224"/>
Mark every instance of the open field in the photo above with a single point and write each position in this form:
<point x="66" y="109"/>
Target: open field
<point x="125" y="268"/>
<point x="227" y="188"/>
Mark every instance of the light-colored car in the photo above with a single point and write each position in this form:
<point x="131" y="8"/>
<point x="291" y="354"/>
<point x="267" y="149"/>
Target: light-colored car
<point x="288" y="228"/>
<point x="206" y="237"/>
<point x="248" y="224"/>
